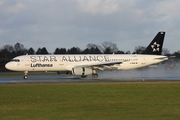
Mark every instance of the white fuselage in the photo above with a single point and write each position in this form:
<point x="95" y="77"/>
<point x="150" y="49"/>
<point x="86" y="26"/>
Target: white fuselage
<point x="67" y="62"/>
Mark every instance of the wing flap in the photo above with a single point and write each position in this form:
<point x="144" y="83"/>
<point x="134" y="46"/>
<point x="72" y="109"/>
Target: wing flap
<point x="102" y="65"/>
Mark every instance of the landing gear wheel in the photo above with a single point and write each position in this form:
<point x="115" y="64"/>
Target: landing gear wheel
<point x="25" y="74"/>
<point x="94" y="75"/>
<point x="25" y="77"/>
<point x="84" y="76"/>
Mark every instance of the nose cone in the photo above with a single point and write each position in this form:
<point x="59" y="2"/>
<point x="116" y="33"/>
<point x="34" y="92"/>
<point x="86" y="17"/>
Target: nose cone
<point x="9" y="66"/>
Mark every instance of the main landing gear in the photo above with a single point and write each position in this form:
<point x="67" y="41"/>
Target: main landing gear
<point x="83" y="76"/>
<point x="25" y="74"/>
<point x="94" y="74"/>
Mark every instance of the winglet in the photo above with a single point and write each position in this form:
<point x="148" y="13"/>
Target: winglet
<point x="155" y="47"/>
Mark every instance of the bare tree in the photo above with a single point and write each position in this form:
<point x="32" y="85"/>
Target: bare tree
<point x="139" y="49"/>
<point x="109" y="48"/>
<point x="92" y="49"/>
<point x="19" y="49"/>
<point x="7" y="52"/>
<point x="8" y="48"/>
<point x="165" y="51"/>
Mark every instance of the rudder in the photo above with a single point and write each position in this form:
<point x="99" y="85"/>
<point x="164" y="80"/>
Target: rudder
<point x="155" y="47"/>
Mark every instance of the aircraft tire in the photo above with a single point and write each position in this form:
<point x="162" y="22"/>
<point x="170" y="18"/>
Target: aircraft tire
<point x="25" y="77"/>
<point x="94" y="75"/>
<point x="84" y="76"/>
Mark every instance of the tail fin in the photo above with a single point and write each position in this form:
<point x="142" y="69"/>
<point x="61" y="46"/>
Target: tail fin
<point x="155" y="47"/>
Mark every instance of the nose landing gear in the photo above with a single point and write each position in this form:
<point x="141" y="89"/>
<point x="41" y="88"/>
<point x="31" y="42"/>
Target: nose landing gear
<point x="25" y="74"/>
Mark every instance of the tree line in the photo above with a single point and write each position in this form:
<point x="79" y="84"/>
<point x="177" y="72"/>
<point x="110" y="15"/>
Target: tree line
<point x="11" y="51"/>
<point x="8" y="52"/>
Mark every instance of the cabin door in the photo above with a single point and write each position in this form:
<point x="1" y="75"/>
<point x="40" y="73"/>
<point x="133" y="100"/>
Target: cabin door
<point x="27" y="61"/>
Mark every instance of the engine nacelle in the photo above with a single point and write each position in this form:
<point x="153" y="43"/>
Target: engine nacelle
<point x="81" y="71"/>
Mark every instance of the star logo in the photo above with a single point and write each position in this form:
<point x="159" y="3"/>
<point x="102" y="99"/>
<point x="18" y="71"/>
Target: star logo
<point x="155" y="47"/>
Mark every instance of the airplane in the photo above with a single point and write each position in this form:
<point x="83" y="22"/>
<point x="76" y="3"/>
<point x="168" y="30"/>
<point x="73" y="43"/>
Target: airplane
<point x="84" y="65"/>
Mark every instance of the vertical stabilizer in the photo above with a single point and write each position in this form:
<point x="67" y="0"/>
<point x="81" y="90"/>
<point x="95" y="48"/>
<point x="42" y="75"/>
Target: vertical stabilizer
<point x="155" y="47"/>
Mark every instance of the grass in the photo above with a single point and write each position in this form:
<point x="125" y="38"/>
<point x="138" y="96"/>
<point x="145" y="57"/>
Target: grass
<point x="128" y="100"/>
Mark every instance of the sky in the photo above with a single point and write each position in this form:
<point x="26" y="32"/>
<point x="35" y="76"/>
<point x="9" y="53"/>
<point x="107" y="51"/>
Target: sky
<point x="76" y="23"/>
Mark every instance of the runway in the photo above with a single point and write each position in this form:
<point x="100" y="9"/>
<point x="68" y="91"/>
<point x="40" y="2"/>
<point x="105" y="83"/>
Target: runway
<point x="142" y="75"/>
<point x="75" y="80"/>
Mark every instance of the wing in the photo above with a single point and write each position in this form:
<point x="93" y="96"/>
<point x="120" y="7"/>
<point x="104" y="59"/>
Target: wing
<point x="102" y="65"/>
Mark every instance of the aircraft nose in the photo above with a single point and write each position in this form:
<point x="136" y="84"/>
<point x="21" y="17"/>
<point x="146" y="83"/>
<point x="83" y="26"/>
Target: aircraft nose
<point x="9" y="66"/>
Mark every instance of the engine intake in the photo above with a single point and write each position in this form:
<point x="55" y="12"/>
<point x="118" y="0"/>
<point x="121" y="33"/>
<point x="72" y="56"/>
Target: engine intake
<point x="81" y="71"/>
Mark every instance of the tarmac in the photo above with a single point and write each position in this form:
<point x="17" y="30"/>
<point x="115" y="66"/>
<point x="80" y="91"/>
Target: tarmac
<point x="68" y="80"/>
<point x="142" y="75"/>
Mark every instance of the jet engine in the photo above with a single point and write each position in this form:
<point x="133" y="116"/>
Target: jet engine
<point x="81" y="71"/>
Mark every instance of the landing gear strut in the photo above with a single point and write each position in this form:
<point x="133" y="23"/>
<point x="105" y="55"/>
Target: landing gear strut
<point x="94" y="74"/>
<point x="25" y="74"/>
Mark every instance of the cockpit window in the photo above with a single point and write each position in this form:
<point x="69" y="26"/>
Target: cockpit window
<point x="15" y="60"/>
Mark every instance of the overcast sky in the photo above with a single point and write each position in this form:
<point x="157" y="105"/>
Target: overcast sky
<point x="69" y="23"/>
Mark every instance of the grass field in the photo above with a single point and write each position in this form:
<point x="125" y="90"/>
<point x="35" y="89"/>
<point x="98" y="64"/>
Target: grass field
<point x="118" y="100"/>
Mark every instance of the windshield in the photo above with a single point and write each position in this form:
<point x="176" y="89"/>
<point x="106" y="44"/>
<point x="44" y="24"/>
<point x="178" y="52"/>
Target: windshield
<point x="15" y="60"/>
